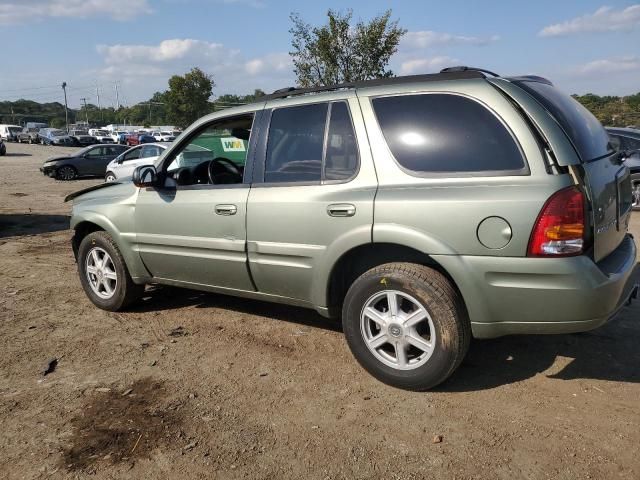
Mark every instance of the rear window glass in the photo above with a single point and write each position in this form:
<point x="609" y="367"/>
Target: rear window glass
<point x="583" y="129"/>
<point x="444" y="133"/>
<point x="295" y="145"/>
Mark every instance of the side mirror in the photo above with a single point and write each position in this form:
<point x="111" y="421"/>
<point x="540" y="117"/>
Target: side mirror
<point x="145" y="176"/>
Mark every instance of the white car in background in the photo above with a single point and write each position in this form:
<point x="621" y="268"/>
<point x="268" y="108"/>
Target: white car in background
<point x="115" y="135"/>
<point x="103" y="136"/>
<point x="122" y="167"/>
<point x="163" y="136"/>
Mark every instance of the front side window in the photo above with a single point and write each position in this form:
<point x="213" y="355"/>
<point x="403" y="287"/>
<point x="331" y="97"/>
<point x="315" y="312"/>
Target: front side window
<point x="445" y="133"/>
<point x="216" y="154"/>
<point x="150" y="151"/>
<point x="131" y="155"/>
<point x="95" y="152"/>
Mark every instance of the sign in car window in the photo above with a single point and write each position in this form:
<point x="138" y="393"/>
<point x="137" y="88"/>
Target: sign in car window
<point x="223" y="145"/>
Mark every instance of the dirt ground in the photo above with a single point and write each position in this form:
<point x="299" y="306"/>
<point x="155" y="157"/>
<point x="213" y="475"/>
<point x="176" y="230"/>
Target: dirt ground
<point x="197" y="385"/>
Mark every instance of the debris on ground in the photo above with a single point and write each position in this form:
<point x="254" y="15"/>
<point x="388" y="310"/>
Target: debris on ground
<point x="437" y="439"/>
<point x="178" y="332"/>
<point x="50" y="366"/>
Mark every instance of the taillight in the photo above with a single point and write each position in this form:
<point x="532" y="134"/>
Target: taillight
<point x="559" y="230"/>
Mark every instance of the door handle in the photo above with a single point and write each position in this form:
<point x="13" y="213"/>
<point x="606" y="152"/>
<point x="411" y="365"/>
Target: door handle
<point x="341" y="210"/>
<point x="226" y="209"/>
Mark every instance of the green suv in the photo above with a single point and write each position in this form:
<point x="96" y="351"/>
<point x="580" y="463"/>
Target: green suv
<point x="423" y="210"/>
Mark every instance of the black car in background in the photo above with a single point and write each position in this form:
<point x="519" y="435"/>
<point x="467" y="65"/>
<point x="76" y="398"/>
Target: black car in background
<point x="90" y="161"/>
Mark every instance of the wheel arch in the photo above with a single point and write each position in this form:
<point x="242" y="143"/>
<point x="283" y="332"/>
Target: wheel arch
<point x="89" y="222"/>
<point x="358" y="260"/>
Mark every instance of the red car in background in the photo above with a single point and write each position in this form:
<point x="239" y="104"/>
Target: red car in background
<point x="139" y="138"/>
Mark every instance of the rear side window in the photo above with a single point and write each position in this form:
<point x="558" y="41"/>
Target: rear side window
<point x="444" y="133"/>
<point x="587" y="134"/>
<point x="341" y="154"/>
<point x="295" y="145"/>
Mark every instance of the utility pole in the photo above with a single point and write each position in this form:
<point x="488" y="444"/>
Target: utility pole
<point x="86" y="112"/>
<point x="99" y="107"/>
<point x="152" y="103"/>
<point x="115" y="84"/>
<point x="66" y="110"/>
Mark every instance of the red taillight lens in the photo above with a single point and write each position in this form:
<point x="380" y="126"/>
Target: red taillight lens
<point x="559" y="230"/>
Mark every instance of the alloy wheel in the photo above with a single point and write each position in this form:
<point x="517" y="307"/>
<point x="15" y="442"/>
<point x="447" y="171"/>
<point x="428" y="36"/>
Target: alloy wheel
<point x="397" y="330"/>
<point x="101" y="273"/>
<point x="635" y="194"/>
<point x="66" y="173"/>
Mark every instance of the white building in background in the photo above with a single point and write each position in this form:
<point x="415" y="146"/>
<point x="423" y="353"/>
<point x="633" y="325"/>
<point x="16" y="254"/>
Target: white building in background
<point x="135" y="128"/>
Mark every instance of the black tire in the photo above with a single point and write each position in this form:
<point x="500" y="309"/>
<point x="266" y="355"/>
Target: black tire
<point x="30" y="140"/>
<point x="110" y="174"/>
<point x="635" y="190"/>
<point x="66" y="173"/>
<point x="126" y="291"/>
<point x="435" y="294"/>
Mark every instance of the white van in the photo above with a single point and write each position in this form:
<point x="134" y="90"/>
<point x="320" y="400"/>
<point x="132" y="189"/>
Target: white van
<point x="9" y="132"/>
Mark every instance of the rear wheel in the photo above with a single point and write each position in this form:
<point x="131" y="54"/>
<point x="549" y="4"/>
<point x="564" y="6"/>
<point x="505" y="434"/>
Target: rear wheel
<point x="66" y="173"/>
<point x="635" y="190"/>
<point x="104" y="274"/>
<point x="406" y="325"/>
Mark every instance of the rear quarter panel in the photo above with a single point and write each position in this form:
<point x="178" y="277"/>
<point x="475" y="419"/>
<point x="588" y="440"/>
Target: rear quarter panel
<point x="441" y="215"/>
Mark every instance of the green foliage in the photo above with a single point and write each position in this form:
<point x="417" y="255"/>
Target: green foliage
<point x="613" y="111"/>
<point x="22" y="111"/>
<point x="341" y="52"/>
<point x="231" y="100"/>
<point x="188" y="97"/>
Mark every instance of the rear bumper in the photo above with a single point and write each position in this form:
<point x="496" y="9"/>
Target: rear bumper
<point x="542" y="296"/>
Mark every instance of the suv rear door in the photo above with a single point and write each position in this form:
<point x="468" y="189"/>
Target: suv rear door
<point x="312" y="194"/>
<point x="595" y="162"/>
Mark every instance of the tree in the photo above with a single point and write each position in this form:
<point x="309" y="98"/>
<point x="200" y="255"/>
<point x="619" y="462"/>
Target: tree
<point x="188" y="97"/>
<point x="340" y="52"/>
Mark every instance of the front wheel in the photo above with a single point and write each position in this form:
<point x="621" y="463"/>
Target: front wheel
<point x="635" y="191"/>
<point x="104" y="274"/>
<point x="66" y="173"/>
<point x="110" y="177"/>
<point x="406" y="325"/>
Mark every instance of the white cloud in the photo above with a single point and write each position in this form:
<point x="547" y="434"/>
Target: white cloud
<point x="279" y="62"/>
<point x="13" y="12"/>
<point x="424" y="65"/>
<point x="147" y="68"/>
<point x="605" y="19"/>
<point x="429" y="38"/>
<point x="603" y="67"/>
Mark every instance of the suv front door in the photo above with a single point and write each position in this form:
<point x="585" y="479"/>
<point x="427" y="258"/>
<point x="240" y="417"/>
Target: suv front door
<point x="312" y="195"/>
<point x="192" y="229"/>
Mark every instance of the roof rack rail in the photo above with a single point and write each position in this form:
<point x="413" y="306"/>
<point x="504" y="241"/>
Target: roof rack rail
<point x="463" y="68"/>
<point x="430" y="77"/>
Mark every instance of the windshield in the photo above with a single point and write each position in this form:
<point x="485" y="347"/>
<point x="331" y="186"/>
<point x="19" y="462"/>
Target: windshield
<point x="587" y="134"/>
<point x="165" y="133"/>
<point x="100" y="132"/>
<point x="58" y="133"/>
<point x="15" y="129"/>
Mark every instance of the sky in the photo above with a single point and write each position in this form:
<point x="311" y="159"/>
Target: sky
<point x="95" y="45"/>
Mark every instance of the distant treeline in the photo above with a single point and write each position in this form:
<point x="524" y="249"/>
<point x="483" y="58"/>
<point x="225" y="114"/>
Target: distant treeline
<point x="610" y="110"/>
<point x="151" y="112"/>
